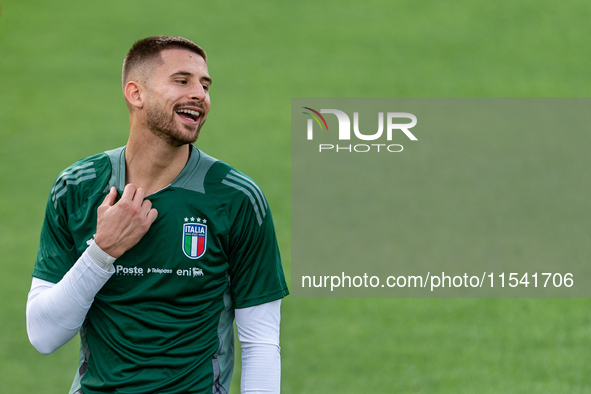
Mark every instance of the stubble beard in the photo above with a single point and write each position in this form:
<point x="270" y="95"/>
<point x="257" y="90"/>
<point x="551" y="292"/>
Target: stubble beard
<point x="166" y="128"/>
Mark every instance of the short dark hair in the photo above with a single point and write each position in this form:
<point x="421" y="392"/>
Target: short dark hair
<point x="149" y="48"/>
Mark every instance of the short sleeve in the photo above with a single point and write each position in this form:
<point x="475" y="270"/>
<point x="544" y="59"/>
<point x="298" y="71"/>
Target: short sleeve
<point x="56" y="253"/>
<point x="256" y="273"/>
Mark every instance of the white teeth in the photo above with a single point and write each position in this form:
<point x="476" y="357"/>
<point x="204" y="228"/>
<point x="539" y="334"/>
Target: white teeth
<point x="189" y="111"/>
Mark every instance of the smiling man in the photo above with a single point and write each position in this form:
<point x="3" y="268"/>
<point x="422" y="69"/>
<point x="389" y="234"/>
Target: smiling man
<point x="151" y="250"/>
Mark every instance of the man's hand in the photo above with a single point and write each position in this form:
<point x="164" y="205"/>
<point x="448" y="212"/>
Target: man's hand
<point x="120" y="226"/>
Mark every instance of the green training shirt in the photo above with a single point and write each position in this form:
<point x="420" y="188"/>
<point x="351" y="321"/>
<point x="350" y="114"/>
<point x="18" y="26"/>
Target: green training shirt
<point x="163" y="322"/>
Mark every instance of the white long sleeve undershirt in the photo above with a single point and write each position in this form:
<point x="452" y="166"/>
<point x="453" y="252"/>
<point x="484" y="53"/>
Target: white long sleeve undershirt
<point x="55" y="313"/>
<point x="258" y="333"/>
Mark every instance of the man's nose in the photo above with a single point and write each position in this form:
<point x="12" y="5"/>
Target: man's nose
<point x="198" y="93"/>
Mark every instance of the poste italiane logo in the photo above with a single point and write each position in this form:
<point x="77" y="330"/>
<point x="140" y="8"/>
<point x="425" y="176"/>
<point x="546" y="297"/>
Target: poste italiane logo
<point x="344" y="132"/>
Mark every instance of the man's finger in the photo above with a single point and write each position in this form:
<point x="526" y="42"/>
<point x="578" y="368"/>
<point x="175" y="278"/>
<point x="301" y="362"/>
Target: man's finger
<point x="152" y="215"/>
<point x="111" y="197"/>
<point x="128" y="192"/>
<point x="146" y="206"/>
<point x="138" y="197"/>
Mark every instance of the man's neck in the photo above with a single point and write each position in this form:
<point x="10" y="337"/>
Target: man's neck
<point x="153" y="165"/>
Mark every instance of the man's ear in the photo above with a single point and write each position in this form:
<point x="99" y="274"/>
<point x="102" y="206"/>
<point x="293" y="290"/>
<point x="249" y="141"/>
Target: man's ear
<point x="134" y="94"/>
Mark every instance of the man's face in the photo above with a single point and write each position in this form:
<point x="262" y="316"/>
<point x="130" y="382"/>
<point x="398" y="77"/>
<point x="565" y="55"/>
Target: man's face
<point x="178" y="102"/>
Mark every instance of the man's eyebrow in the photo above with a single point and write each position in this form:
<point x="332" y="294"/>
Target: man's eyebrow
<point x="186" y="73"/>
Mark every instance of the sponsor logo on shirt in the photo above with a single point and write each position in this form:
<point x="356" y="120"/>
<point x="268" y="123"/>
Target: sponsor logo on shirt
<point x="190" y="272"/>
<point x="135" y="271"/>
<point x="159" y="271"/>
<point x="138" y="271"/>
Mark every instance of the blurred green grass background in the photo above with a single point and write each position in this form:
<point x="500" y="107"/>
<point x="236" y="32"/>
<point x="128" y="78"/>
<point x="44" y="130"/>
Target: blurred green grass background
<point x="60" y="101"/>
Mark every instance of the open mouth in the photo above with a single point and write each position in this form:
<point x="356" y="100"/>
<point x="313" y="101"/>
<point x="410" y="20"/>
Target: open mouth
<point x="189" y="115"/>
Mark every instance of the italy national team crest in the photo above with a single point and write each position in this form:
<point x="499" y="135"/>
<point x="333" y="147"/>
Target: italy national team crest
<point x="194" y="240"/>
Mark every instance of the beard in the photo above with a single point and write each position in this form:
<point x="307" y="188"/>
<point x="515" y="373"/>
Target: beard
<point x="165" y="127"/>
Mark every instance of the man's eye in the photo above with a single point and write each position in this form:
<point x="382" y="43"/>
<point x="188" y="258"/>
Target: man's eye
<point x="182" y="81"/>
<point x="206" y="88"/>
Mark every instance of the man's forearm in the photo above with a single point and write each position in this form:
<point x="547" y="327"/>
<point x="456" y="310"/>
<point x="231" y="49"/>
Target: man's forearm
<point x="55" y="312"/>
<point x="261" y="369"/>
<point x="258" y="332"/>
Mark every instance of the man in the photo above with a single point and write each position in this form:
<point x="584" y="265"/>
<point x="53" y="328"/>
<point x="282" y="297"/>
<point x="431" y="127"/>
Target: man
<point x="152" y="280"/>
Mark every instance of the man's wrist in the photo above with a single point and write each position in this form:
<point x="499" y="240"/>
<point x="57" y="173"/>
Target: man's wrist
<point x="100" y="257"/>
